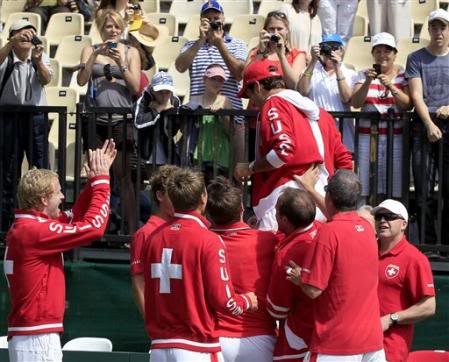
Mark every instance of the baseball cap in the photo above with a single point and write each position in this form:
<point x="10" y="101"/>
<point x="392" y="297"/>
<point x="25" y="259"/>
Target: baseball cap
<point x="333" y="38"/>
<point x="215" y="71"/>
<point x="393" y="206"/>
<point x="162" y="81"/>
<point x="19" y="25"/>
<point x="215" y="5"/>
<point x="383" y="39"/>
<point x="439" y="14"/>
<point x="260" y="69"/>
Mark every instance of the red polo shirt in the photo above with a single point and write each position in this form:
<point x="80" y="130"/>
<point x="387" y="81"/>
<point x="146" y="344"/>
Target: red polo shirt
<point x="405" y="278"/>
<point x="139" y="238"/>
<point x="343" y="263"/>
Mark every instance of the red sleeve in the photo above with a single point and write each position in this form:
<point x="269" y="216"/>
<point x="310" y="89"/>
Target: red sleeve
<point x="136" y="253"/>
<point x="81" y="204"/>
<point x="277" y="133"/>
<point x="217" y="281"/>
<point x="319" y="259"/>
<point x="420" y="279"/>
<point x="55" y="236"/>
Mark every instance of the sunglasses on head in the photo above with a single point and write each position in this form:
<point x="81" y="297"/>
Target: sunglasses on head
<point x="389" y="216"/>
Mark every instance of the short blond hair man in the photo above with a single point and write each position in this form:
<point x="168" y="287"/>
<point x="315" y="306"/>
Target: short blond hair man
<point x="33" y="257"/>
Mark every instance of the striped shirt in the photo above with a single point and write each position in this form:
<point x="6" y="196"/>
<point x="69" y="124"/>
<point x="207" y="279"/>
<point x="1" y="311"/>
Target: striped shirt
<point x="209" y="54"/>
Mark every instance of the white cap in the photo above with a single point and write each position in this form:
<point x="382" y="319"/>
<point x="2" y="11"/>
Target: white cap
<point x="439" y="14"/>
<point x="21" y="24"/>
<point x="393" y="206"/>
<point x="383" y="39"/>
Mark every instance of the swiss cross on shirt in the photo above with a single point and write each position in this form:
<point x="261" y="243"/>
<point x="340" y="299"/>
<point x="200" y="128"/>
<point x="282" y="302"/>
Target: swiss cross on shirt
<point x="166" y="271"/>
<point x="391" y="271"/>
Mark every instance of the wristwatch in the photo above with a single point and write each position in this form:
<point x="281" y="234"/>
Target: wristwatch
<point x="251" y="167"/>
<point x="394" y="317"/>
<point x="124" y="69"/>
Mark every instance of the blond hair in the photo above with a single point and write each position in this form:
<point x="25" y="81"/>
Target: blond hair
<point x="185" y="188"/>
<point x="33" y="186"/>
<point x="159" y="180"/>
<point x="103" y="16"/>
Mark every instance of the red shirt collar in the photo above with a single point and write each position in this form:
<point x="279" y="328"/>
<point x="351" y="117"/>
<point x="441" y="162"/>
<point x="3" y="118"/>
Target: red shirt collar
<point x="397" y="249"/>
<point x="194" y="216"/>
<point x="295" y="234"/>
<point x="235" y="226"/>
<point x="346" y="215"/>
<point x="30" y="214"/>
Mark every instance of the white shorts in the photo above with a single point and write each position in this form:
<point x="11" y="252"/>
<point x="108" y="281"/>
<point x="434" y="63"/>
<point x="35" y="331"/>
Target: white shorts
<point x="36" y="348"/>
<point x="376" y="356"/>
<point x="183" y="355"/>
<point x="248" y="349"/>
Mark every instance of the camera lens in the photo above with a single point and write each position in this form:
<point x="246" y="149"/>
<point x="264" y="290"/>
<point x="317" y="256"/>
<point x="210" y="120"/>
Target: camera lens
<point x="215" y="25"/>
<point x="274" y="38"/>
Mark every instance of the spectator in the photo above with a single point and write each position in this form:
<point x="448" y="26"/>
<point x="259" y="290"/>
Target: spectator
<point x="112" y="71"/>
<point x="406" y="289"/>
<point x="287" y="303"/>
<point x="329" y="83"/>
<point x="215" y="47"/>
<point x="393" y="17"/>
<point x="305" y="25"/>
<point x="215" y="132"/>
<point x="33" y="257"/>
<point x="250" y="255"/>
<point x="288" y="142"/>
<point x="46" y="8"/>
<point x="274" y="44"/>
<point x="187" y="281"/>
<point x="157" y="97"/>
<point x="387" y="93"/>
<point x="427" y="76"/>
<point x="24" y="71"/>
<point x="344" y="287"/>
<point x="337" y="17"/>
<point x="163" y="214"/>
<point x="364" y="211"/>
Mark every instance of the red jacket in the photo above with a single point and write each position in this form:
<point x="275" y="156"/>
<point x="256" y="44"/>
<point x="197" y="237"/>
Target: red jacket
<point x="34" y="259"/>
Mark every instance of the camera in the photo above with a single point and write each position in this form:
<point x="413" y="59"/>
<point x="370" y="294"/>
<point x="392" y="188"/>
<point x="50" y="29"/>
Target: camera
<point x="325" y="49"/>
<point x="136" y="7"/>
<point x="35" y="40"/>
<point x="377" y="68"/>
<point x="112" y="45"/>
<point x="216" y="25"/>
<point x="274" y="38"/>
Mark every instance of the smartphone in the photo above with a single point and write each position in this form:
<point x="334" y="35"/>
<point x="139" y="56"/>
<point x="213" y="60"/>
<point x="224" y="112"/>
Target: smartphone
<point x="112" y="45"/>
<point x="35" y="40"/>
<point x="377" y="68"/>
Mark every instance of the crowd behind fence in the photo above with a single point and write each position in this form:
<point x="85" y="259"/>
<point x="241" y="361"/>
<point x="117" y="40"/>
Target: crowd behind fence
<point x="183" y="130"/>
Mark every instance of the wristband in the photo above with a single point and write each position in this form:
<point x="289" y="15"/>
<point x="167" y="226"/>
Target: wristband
<point x="124" y="69"/>
<point x="394" y="92"/>
<point x="308" y="74"/>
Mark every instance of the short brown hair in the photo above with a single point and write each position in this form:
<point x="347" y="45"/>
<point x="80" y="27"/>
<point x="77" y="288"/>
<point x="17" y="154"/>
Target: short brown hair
<point x="158" y="181"/>
<point x="297" y="206"/>
<point x="103" y="16"/>
<point x="224" y="201"/>
<point x="185" y="188"/>
<point x="33" y="186"/>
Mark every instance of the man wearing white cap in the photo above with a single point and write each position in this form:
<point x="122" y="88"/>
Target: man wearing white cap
<point x="428" y="77"/>
<point x="24" y="70"/>
<point x="406" y="290"/>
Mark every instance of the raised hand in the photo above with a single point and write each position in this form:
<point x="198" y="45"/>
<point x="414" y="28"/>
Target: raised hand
<point x="100" y="160"/>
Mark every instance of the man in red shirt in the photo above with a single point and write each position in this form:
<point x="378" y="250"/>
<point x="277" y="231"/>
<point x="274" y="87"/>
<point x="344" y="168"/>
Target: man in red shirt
<point x="295" y="213"/>
<point x="164" y="212"/>
<point x="293" y="135"/>
<point x="35" y="242"/>
<point x="187" y="280"/>
<point x="250" y="256"/>
<point x="406" y="290"/>
<point x="340" y="272"/>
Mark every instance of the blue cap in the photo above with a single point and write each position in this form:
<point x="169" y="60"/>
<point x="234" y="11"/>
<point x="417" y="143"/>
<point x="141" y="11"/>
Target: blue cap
<point x="333" y="38"/>
<point x="211" y="4"/>
<point x="162" y="81"/>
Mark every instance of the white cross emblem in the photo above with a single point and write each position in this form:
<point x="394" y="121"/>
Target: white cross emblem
<point x="8" y="266"/>
<point x="166" y="271"/>
<point x="391" y="271"/>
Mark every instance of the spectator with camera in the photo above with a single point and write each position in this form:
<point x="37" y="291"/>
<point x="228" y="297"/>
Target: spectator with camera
<point x="329" y="83"/>
<point x="112" y="71"/>
<point x="383" y="89"/>
<point x="24" y="71"/>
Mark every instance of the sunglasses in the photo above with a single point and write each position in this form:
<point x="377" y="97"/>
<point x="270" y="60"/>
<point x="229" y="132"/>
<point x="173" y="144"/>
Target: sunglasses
<point x="388" y="216"/>
<point x="279" y="14"/>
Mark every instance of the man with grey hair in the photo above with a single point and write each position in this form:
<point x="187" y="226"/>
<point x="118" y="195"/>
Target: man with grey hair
<point x="340" y="272"/>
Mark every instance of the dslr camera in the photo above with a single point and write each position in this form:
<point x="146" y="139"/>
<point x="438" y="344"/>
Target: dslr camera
<point x="216" y="25"/>
<point x="274" y="38"/>
<point x="35" y="40"/>
<point x="136" y="7"/>
<point x="325" y="49"/>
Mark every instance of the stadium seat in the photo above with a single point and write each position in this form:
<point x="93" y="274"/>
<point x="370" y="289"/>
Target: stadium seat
<point x="358" y="52"/>
<point x="233" y="8"/>
<point x="94" y="34"/>
<point x="424" y="32"/>
<point x="362" y="9"/>
<point x="166" y="53"/>
<point x="164" y="19"/>
<point x="65" y="97"/>
<point x="150" y="6"/>
<point x="246" y="27"/>
<point x="45" y="44"/>
<point x="90" y="344"/>
<point x="184" y="9"/>
<point x="360" y="27"/>
<point x="407" y="46"/>
<point x="69" y="49"/>
<point x="191" y="30"/>
<point x="9" y="7"/>
<point x="254" y="42"/>
<point x="428" y="356"/>
<point x="3" y="342"/>
<point x="63" y="24"/>
<point x="420" y="10"/>
<point x="82" y="90"/>
<point x="150" y="72"/>
<point x="56" y="79"/>
<point x="1" y="42"/>
<point x="269" y="5"/>
<point x="181" y="81"/>
<point x="34" y="19"/>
